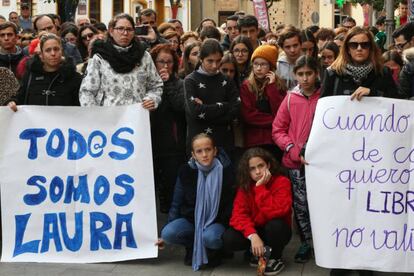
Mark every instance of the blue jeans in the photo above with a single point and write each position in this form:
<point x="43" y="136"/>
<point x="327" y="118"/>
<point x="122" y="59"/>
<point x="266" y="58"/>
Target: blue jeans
<point x="181" y="231"/>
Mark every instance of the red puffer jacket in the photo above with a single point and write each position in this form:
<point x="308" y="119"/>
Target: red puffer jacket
<point x="254" y="208"/>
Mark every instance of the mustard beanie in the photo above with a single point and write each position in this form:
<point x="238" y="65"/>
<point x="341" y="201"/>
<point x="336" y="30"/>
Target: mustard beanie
<point x="267" y="52"/>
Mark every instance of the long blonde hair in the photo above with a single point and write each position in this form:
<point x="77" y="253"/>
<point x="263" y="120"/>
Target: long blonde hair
<point x="344" y="58"/>
<point x="257" y="87"/>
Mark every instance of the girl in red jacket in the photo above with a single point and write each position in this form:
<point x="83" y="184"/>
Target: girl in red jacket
<point x="291" y="129"/>
<point x="261" y="210"/>
<point x="261" y="95"/>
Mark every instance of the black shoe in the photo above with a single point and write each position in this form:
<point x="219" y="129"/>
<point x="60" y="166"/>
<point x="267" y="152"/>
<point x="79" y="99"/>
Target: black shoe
<point x="274" y="267"/>
<point x="214" y="257"/>
<point x="365" y="272"/>
<point x="304" y="253"/>
<point x="339" y="272"/>
<point x="188" y="258"/>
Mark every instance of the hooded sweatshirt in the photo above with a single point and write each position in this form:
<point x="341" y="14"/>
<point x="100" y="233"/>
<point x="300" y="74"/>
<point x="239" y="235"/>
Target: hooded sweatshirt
<point x="10" y="60"/>
<point x="293" y="124"/>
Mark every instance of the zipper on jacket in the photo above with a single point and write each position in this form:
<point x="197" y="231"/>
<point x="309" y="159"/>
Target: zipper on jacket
<point x="49" y="92"/>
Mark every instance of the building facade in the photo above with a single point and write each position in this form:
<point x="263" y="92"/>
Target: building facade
<point x="300" y="13"/>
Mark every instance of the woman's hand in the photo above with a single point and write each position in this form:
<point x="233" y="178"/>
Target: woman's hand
<point x="271" y="76"/>
<point x="198" y="101"/>
<point x="360" y="92"/>
<point x="303" y="160"/>
<point x="160" y="243"/>
<point x="164" y="74"/>
<point x="148" y="104"/>
<point x="265" y="178"/>
<point x="151" y="36"/>
<point x="12" y="106"/>
<point x="257" y="245"/>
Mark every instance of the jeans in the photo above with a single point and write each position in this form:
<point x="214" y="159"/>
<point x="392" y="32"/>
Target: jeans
<point x="181" y="231"/>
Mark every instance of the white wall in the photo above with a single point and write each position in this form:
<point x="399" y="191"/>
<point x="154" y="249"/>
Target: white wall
<point x="326" y="14"/>
<point x="358" y="14"/>
<point x="6" y="10"/>
<point x="46" y="7"/>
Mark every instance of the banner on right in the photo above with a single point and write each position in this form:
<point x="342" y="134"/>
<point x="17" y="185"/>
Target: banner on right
<point x="360" y="184"/>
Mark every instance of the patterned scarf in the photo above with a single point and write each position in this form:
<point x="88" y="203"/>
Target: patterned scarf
<point x="359" y="72"/>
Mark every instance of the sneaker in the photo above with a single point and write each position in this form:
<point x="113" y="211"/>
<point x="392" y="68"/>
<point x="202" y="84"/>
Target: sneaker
<point x="188" y="258"/>
<point x="274" y="267"/>
<point x="304" y="253"/>
<point x="252" y="259"/>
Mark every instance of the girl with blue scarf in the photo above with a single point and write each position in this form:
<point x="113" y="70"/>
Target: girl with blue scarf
<point x="202" y="203"/>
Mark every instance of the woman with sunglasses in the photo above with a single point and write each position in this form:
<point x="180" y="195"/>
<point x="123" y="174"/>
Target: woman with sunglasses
<point x="120" y="71"/>
<point x="358" y="71"/>
<point x="85" y="35"/>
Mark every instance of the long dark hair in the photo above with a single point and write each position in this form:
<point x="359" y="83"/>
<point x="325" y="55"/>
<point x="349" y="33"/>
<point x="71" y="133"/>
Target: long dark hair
<point x="81" y="46"/>
<point x="187" y="68"/>
<point x="246" y="41"/>
<point x="306" y="35"/>
<point x="243" y="176"/>
<point x="208" y="47"/>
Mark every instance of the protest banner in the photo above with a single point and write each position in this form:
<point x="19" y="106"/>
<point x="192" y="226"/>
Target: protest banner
<point x="360" y="183"/>
<point x="76" y="184"/>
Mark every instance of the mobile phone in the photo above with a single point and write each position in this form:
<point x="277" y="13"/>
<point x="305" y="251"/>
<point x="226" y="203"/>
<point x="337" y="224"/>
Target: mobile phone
<point x="141" y="30"/>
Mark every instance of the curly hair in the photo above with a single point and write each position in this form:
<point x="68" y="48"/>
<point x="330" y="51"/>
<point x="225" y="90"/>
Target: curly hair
<point x="243" y="175"/>
<point x="166" y="48"/>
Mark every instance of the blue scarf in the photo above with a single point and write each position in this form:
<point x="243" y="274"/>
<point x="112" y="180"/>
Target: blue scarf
<point x="209" y="184"/>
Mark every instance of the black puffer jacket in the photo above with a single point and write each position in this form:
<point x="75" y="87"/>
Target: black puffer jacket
<point x="381" y="85"/>
<point x="49" y="88"/>
<point x="168" y="126"/>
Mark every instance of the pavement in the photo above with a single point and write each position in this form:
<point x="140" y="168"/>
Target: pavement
<point x="169" y="262"/>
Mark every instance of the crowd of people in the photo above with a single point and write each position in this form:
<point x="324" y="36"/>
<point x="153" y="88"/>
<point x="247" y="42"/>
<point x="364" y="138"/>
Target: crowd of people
<point x="231" y="110"/>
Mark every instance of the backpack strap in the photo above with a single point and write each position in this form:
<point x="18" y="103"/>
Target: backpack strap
<point x="288" y="102"/>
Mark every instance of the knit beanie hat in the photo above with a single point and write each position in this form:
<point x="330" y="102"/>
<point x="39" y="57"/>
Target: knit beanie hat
<point x="267" y="52"/>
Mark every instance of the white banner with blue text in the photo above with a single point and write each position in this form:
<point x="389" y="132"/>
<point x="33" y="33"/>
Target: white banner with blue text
<point x="360" y="183"/>
<point x="76" y="184"/>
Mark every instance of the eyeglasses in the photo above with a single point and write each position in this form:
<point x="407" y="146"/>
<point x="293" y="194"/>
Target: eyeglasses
<point x="261" y="65"/>
<point x="240" y="51"/>
<point x="121" y="30"/>
<point x="164" y="62"/>
<point x="400" y="46"/>
<point x="364" y="45"/>
<point x="85" y="37"/>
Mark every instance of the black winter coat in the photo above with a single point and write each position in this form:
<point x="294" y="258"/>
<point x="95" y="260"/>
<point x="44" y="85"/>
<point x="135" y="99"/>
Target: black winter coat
<point x="407" y="80"/>
<point x="168" y="126"/>
<point x="381" y="85"/>
<point x="220" y="106"/>
<point x="185" y="193"/>
<point x="60" y="88"/>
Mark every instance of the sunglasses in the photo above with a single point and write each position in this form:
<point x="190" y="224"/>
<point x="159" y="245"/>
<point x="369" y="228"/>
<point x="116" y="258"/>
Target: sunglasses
<point x="90" y="35"/>
<point x="364" y="45"/>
